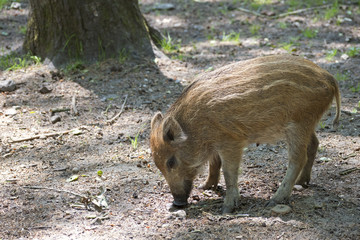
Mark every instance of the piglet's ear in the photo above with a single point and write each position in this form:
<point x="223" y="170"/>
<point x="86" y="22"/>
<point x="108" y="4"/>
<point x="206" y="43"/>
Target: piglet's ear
<point x="172" y="131"/>
<point x="156" y="120"/>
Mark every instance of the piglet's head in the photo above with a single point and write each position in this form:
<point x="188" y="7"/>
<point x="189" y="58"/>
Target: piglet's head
<point x="168" y="143"/>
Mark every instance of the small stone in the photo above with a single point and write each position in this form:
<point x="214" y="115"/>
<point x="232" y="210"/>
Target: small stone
<point x="7" y="86"/>
<point x="15" y="5"/>
<point x="298" y="188"/>
<point x="135" y="195"/>
<point x="281" y="209"/>
<point x="165" y="225"/>
<point x="181" y="214"/>
<point x="75" y="170"/>
<point x="344" y="56"/>
<point x="45" y="90"/>
<point x="54" y="119"/>
<point x="76" y="132"/>
<point x="325" y="159"/>
<point x="10" y="112"/>
<point x="99" y="134"/>
<point x="318" y="205"/>
<point x="296" y="24"/>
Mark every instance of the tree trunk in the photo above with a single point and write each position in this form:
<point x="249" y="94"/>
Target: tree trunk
<point x="88" y="30"/>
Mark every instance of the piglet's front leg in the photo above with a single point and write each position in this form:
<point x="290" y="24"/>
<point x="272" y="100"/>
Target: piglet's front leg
<point x="230" y="162"/>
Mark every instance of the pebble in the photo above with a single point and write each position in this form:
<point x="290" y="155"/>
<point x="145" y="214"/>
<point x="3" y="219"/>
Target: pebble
<point x="181" y="214"/>
<point x="318" y="205"/>
<point x="344" y="56"/>
<point x="15" y="5"/>
<point x="45" y="90"/>
<point x="281" y="209"/>
<point x="10" y="112"/>
<point x="54" y="119"/>
<point x="324" y="159"/>
<point x="135" y="195"/>
<point x="75" y="170"/>
<point x="169" y="206"/>
<point x="298" y="188"/>
<point x="7" y="86"/>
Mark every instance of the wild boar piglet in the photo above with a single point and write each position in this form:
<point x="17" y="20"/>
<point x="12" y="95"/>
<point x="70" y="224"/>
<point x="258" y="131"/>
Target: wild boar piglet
<point x="262" y="100"/>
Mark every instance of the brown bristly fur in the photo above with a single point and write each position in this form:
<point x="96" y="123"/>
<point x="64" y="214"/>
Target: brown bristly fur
<point x="261" y="100"/>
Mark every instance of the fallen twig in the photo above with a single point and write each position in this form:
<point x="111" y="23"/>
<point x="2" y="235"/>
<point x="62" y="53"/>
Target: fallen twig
<point x="251" y="12"/>
<point x="301" y="11"/>
<point x="73" y="105"/>
<point x="56" y="110"/>
<point x="347" y="171"/>
<point x="112" y="120"/>
<point x="12" y="180"/>
<point x="36" y="137"/>
<point x="98" y="220"/>
<point x="213" y="217"/>
<point x="38" y="227"/>
<point x="8" y="154"/>
<point x="54" y="189"/>
<point x="40" y="136"/>
<point x="283" y="14"/>
<point x="349" y="156"/>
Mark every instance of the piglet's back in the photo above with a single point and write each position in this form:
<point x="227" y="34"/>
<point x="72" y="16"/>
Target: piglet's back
<point x="258" y="95"/>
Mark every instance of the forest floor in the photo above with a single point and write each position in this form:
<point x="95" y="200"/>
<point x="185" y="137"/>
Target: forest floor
<point x="67" y="172"/>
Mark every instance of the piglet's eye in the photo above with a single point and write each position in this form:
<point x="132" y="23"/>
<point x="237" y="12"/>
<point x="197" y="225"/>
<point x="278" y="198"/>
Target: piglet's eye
<point x="171" y="163"/>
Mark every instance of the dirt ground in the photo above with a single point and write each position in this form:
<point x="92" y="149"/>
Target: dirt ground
<point x="51" y="186"/>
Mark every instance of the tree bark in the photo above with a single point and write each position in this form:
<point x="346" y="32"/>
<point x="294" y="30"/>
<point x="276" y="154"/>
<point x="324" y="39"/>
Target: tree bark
<point x="88" y="30"/>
